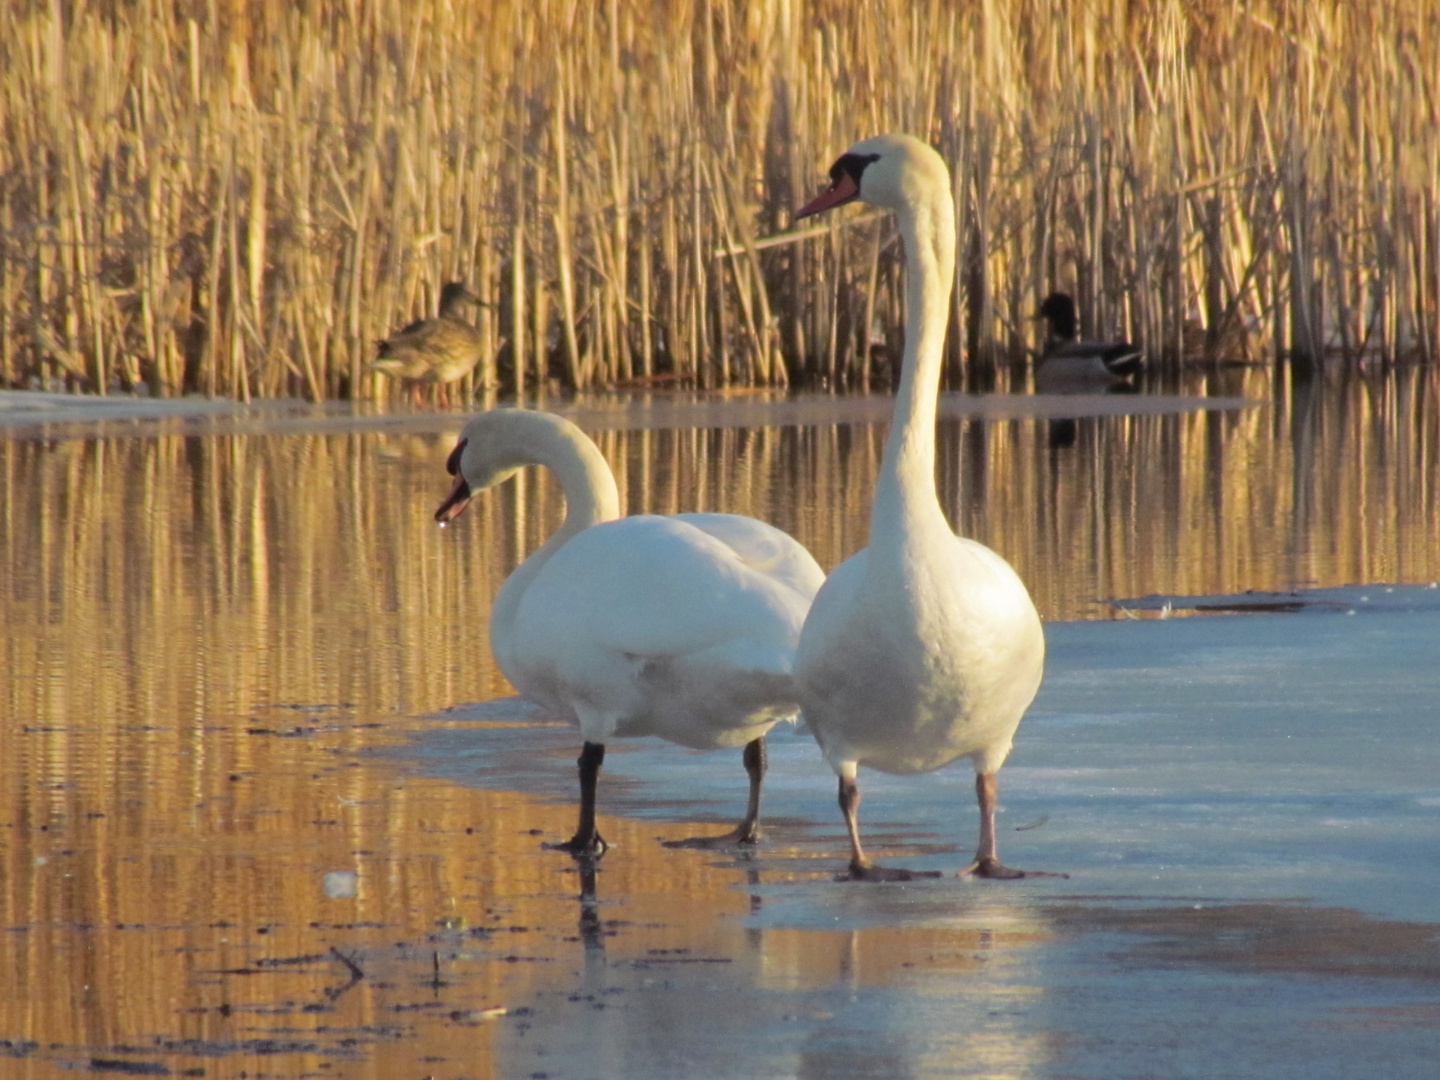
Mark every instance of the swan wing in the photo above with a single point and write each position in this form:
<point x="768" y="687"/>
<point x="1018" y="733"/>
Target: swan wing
<point x="650" y="625"/>
<point x="764" y="549"/>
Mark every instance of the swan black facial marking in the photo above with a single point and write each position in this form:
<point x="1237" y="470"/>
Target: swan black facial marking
<point x="844" y="184"/>
<point x="852" y="165"/>
<point x="452" y="463"/>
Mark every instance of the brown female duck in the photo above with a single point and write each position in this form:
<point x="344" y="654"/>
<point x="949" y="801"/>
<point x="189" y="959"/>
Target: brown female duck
<point x="437" y="351"/>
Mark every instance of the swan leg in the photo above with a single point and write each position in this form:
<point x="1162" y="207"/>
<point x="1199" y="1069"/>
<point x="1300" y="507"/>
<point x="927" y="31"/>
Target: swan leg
<point x="987" y="863"/>
<point x="748" y="831"/>
<point x="587" y="841"/>
<point x="861" y="866"/>
<point x="756" y="762"/>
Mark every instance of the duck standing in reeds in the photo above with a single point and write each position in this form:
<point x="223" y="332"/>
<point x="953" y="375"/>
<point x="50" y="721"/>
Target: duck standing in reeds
<point x="436" y="351"/>
<point x="1070" y="366"/>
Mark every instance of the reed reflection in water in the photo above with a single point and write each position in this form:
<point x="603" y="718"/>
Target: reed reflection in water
<point x="203" y="635"/>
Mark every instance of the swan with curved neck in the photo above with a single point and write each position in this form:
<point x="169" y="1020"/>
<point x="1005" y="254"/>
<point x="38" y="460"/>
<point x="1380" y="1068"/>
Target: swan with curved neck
<point x="682" y="626"/>
<point x="925" y="647"/>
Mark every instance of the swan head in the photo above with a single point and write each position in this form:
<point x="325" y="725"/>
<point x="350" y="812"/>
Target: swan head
<point x="894" y="172"/>
<point x="495" y="445"/>
<point x="486" y="454"/>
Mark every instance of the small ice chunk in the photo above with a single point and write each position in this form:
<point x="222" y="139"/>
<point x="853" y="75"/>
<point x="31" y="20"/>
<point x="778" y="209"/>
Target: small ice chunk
<point x="340" y="884"/>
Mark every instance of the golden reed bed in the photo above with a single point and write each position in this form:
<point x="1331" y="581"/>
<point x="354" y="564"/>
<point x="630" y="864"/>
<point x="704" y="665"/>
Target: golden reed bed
<point x="242" y="198"/>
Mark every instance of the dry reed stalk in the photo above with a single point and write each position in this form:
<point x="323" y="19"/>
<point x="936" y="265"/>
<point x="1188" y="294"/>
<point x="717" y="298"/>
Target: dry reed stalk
<point x="564" y="252"/>
<point x="645" y="270"/>
<point x="188" y="210"/>
<point x="698" y="328"/>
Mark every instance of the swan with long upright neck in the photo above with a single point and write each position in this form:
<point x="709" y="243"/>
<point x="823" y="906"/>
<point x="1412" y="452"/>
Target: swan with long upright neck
<point x="925" y="647"/>
<point x="682" y="626"/>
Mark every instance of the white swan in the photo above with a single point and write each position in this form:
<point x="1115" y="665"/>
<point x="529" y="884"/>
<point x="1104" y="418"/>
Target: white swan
<point x="924" y="647"/>
<point x="683" y="626"/>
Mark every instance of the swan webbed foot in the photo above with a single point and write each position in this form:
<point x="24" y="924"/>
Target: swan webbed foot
<point x="737" y="837"/>
<point x="995" y="870"/>
<point x="582" y="847"/>
<point x="868" y="871"/>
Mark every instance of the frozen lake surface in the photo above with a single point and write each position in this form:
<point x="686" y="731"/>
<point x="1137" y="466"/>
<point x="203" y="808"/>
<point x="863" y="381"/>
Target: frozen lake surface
<point x="1248" y="807"/>
<point x="257" y="760"/>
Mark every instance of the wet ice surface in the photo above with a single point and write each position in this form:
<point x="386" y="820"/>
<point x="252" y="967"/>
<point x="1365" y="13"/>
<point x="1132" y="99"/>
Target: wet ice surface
<point x="1249" y="809"/>
<point x="85" y="416"/>
<point x="1252" y="870"/>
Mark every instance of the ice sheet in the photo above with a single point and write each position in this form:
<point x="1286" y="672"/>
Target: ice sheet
<point x="1232" y="757"/>
<point x="1249" y="809"/>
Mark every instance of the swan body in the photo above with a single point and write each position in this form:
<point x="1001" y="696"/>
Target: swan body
<point x="905" y="672"/>
<point x="652" y="626"/>
<point x="682" y="626"/>
<point x="925" y="647"/>
<point x="440" y="350"/>
<point x="1071" y="366"/>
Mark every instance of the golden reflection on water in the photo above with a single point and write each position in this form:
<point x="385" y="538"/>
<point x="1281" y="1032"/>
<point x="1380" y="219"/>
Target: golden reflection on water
<point x="202" y="636"/>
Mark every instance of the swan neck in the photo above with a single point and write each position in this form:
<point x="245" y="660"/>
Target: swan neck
<point x="907" y="476"/>
<point x="586" y="481"/>
<point x="537" y="438"/>
<point x="591" y="498"/>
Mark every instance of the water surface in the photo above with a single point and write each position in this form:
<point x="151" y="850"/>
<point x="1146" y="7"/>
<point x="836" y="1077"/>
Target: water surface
<point x="222" y="637"/>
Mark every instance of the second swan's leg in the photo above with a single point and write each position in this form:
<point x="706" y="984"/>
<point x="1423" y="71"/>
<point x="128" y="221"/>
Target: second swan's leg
<point x="987" y="863"/>
<point x="748" y="831"/>
<point x="861" y="867"/>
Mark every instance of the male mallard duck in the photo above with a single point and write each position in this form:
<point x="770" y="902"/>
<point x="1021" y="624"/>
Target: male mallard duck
<point x="441" y="350"/>
<point x="1070" y="366"/>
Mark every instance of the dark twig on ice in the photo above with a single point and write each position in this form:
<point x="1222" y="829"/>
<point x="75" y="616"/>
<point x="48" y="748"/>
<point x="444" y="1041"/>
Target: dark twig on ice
<point x="356" y="974"/>
<point x="436" y="983"/>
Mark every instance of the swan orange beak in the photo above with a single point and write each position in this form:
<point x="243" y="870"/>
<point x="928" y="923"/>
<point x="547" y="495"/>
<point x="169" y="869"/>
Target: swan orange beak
<point x="839" y="193"/>
<point x="455" y="505"/>
<point x="459" y="497"/>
